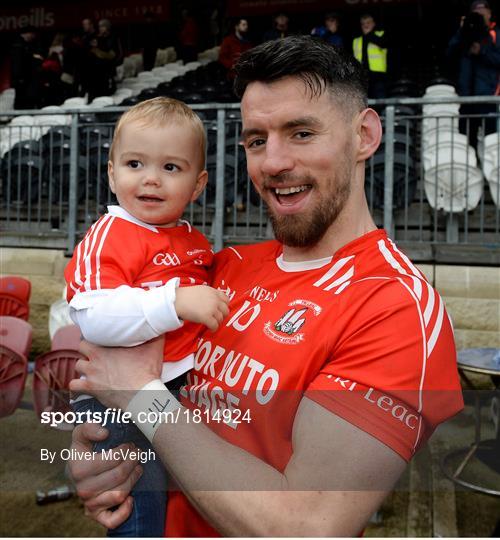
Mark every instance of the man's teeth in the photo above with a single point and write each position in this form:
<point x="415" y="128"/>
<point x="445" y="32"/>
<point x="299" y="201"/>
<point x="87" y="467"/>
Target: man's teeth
<point x="290" y="190"/>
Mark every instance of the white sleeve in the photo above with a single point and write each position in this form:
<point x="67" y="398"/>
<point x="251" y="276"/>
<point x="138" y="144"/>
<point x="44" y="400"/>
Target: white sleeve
<point x="125" y="316"/>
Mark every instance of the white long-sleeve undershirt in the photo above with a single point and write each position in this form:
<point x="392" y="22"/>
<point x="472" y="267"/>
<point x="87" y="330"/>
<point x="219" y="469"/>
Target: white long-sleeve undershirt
<point x="125" y="316"/>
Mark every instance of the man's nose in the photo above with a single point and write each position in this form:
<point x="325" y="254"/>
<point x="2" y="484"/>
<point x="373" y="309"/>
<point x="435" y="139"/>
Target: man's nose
<point x="278" y="158"/>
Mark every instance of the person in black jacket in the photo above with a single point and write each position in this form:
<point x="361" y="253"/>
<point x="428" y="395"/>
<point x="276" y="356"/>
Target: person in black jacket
<point x="106" y="54"/>
<point x="476" y="46"/>
<point x="26" y="66"/>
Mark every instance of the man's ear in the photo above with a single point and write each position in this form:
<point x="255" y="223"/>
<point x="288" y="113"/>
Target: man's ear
<point x="201" y="182"/>
<point x="369" y="132"/>
<point x="111" y="177"/>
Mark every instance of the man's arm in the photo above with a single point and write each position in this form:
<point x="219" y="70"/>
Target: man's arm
<point x="337" y="477"/>
<point x="489" y="54"/>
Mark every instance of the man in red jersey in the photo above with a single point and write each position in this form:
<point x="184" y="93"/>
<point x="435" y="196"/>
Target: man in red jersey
<point x="337" y="359"/>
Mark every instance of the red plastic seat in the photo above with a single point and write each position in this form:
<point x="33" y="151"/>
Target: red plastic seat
<point x="16" y="334"/>
<point x="12" y="306"/>
<point x="16" y="286"/>
<point x="13" y="373"/>
<point x="53" y="372"/>
<point x="67" y="337"/>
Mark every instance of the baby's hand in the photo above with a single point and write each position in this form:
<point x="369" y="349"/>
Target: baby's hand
<point x="201" y="304"/>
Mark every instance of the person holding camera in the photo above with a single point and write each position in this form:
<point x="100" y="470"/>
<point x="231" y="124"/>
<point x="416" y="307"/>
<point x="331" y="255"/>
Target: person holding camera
<point x="477" y="46"/>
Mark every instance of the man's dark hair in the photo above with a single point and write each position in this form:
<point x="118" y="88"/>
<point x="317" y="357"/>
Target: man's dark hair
<point x="332" y="15"/>
<point x="236" y="21"/>
<point x="318" y="64"/>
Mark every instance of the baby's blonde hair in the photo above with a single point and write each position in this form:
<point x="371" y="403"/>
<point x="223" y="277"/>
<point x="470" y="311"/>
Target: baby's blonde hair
<point x="162" y="111"/>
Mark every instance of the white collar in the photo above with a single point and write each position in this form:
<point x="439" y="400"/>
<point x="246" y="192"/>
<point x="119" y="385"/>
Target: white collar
<point x="301" y="266"/>
<point x="118" y="211"/>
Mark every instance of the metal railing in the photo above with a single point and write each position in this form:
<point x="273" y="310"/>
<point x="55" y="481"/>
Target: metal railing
<point x="54" y="179"/>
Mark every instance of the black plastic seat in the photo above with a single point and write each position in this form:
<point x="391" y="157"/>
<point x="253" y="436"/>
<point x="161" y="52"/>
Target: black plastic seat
<point x="130" y="101"/>
<point x="405" y="180"/>
<point x="21" y="172"/>
<point x="148" y="93"/>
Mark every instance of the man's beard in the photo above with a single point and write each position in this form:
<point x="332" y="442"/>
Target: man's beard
<point x="306" y="230"/>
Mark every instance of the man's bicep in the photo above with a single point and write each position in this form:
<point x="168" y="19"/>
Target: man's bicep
<point x="343" y="472"/>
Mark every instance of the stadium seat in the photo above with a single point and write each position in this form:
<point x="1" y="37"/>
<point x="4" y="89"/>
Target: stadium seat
<point x="404" y="179"/>
<point x="129" y="67"/>
<point x="102" y="101"/>
<point x="24" y="178"/>
<point x="74" y="103"/>
<point x="67" y="337"/>
<point x="13" y="373"/>
<point x="7" y="98"/>
<point x="16" y="286"/>
<point x="148" y="93"/>
<point x="130" y="101"/>
<point x="15" y="344"/>
<point x="11" y="306"/>
<point x="452" y="181"/>
<point x="491" y="165"/>
<point x="53" y="372"/>
<point x="121" y="94"/>
<point x="16" y="334"/>
<point x="440" y="90"/>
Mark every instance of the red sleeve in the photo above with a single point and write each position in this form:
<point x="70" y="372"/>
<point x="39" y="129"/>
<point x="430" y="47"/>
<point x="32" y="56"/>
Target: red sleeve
<point x="102" y="260"/>
<point x="393" y="369"/>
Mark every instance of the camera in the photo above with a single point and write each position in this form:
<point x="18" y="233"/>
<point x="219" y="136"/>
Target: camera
<point x="474" y="29"/>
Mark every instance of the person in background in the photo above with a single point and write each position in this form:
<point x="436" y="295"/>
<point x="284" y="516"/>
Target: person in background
<point x="370" y="50"/>
<point x="26" y="67"/>
<point x="71" y="67"/>
<point x="85" y="59"/>
<point x="51" y="72"/>
<point x="150" y="41"/>
<point x="106" y="54"/>
<point x="476" y="47"/>
<point x="280" y="28"/>
<point x="330" y="30"/>
<point x="188" y="37"/>
<point x="234" y="45"/>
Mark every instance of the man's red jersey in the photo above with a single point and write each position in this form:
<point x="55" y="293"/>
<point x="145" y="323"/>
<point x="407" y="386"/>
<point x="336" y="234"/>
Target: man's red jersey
<point x="363" y="334"/>
<point x="122" y="251"/>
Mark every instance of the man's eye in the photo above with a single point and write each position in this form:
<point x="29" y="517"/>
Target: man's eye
<point x="256" y="142"/>
<point x="303" y="134"/>
<point x="171" y="167"/>
<point x="134" y="163"/>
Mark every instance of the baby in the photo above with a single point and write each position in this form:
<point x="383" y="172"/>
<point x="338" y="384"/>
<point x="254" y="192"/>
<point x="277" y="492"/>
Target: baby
<point x="141" y="271"/>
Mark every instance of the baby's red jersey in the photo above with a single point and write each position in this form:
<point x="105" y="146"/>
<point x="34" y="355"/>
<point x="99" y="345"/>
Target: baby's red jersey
<point x="363" y="334"/>
<point x="117" y="251"/>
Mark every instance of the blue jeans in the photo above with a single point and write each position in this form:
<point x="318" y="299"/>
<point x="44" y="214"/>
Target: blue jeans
<point x="150" y="492"/>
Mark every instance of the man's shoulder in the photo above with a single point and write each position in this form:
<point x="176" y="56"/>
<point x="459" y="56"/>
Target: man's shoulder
<point x="249" y="253"/>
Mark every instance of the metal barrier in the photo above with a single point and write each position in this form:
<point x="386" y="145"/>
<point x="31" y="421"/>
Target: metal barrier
<point x="425" y="184"/>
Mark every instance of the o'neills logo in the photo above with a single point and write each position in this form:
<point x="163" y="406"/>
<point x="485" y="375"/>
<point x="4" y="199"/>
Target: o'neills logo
<point x="37" y="17"/>
<point x="166" y="259"/>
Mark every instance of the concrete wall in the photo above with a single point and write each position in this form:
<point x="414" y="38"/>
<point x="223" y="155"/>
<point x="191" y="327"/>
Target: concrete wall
<point x="471" y="294"/>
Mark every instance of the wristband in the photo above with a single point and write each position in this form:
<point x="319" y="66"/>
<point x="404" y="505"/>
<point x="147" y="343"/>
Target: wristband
<point x="150" y="406"/>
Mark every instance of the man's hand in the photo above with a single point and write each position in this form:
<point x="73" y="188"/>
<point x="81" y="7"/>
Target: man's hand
<point x="201" y="304"/>
<point x="103" y="484"/>
<point x="114" y="374"/>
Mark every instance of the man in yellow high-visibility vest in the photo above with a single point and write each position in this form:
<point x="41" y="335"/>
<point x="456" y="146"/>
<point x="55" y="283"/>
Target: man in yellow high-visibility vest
<point x="370" y="49"/>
